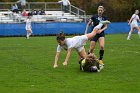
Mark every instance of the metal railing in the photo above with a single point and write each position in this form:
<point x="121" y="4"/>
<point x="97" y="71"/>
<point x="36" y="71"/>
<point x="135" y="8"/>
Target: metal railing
<point x="47" y="6"/>
<point x="77" y="11"/>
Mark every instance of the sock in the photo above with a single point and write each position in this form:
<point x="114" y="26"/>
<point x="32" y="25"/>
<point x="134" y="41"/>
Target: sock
<point x="129" y="35"/>
<point x="27" y="35"/>
<point x="99" y="26"/>
<point x="139" y="34"/>
<point x="101" y="53"/>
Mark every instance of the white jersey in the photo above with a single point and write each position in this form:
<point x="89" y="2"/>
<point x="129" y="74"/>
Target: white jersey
<point x="135" y="19"/>
<point x="23" y="2"/>
<point x="65" y="2"/>
<point x="76" y="42"/>
<point x="28" y="24"/>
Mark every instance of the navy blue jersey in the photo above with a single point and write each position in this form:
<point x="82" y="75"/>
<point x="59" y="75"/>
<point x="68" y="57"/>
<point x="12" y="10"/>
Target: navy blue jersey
<point x="95" y="19"/>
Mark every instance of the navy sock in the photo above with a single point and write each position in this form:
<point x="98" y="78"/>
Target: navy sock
<point x="101" y="53"/>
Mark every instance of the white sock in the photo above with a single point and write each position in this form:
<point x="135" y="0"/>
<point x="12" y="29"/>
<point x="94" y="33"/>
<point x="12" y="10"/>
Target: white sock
<point x="99" y="26"/>
<point x="27" y="35"/>
<point x="139" y="34"/>
<point x="129" y="35"/>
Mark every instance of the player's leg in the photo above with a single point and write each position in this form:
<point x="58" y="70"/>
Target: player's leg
<point x="101" y="52"/>
<point x="138" y="29"/>
<point x="101" y="43"/>
<point x="92" y="46"/>
<point x="82" y="52"/>
<point x="94" y="31"/>
<point x="29" y="33"/>
<point x="93" y="43"/>
<point x="130" y="32"/>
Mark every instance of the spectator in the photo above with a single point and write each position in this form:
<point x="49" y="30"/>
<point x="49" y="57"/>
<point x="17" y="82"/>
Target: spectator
<point x="39" y="12"/>
<point x="24" y="13"/>
<point x="22" y="3"/>
<point x="65" y="4"/>
<point x="34" y="12"/>
<point x="15" y="8"/>
<point x="30" y="13"/>
<point x="42" y="12"/>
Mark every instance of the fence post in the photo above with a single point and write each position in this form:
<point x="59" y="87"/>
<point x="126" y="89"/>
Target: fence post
<point x="70" y="9"/>
<point x="45" y="6"/>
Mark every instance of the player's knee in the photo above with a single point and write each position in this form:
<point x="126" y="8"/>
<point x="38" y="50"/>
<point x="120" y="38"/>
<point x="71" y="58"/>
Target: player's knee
<point x="91" y="50"/>
<point x="101" y="47"/>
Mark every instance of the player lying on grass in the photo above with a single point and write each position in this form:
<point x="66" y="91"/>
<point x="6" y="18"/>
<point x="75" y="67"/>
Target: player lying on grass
<point x="90" y="64"/>
<point x="76" y="42"/>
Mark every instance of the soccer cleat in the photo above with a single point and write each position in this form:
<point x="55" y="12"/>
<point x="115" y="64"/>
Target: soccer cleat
<point x="65" y="63"/>
<point x="105" y="22"/>
<point x="101" y="67"/>
<point x="27" y="37"/>
<point x="55" y="66"/>
<point x="101" y="64"/>
<point x="128" y="38"/>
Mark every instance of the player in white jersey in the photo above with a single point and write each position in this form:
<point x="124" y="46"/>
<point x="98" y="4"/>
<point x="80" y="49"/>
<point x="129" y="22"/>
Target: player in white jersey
<point x="133" y="22"/>
<point x="76" y="42"/>
<point x="28" y="27"/>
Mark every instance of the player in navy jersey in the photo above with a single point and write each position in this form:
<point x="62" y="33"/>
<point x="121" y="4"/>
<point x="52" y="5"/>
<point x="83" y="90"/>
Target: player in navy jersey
<point x="100" y="36"/>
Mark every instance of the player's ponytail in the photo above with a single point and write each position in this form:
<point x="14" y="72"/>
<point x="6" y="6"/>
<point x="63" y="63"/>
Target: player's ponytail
<point x="61" y="36"/>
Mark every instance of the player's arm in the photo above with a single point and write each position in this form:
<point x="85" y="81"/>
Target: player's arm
<point x="69" y="2"/>
<point x="103" y="29"/>
<point x="87" y="27"/>
<point x="131" y="19"/>
<point x="59" y="48"/>
<point x="67" y="57"/>
<point x="138" y="19"/>
<point x="56" y="60"/>
<point x="60" y="1"/>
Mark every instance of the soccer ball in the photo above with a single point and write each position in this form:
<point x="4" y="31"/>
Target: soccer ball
<point x="93" y="69"/>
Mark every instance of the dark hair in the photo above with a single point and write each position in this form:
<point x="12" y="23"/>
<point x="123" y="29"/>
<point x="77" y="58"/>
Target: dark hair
<point x="60" y="36"/>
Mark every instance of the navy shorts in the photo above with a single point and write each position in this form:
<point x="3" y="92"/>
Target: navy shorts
<point x="97" y="36"/>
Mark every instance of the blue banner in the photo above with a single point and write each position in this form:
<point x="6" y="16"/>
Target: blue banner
<point x="54" y="28"/>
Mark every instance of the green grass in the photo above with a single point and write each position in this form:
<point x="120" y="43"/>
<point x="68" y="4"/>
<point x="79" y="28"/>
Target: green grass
<point x="26" y="66"/>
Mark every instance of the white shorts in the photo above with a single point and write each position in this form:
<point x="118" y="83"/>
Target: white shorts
<point x="80" y="49"/>
<point x="81" y="42"/>
<point x="28" y="28"/>
<point x="132" y="25"/>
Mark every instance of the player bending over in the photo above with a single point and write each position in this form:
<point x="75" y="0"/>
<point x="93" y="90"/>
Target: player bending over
<point x="76" y="42"/>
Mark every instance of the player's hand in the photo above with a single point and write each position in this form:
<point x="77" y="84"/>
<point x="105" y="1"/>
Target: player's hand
<point x="55" y="66"/>
<point x="65" y="63"/>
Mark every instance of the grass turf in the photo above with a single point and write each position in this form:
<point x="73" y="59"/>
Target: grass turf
<point x="26" y="66"/>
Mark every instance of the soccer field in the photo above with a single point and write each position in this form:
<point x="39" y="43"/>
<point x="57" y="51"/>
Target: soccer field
<point x="26" y="66"/>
